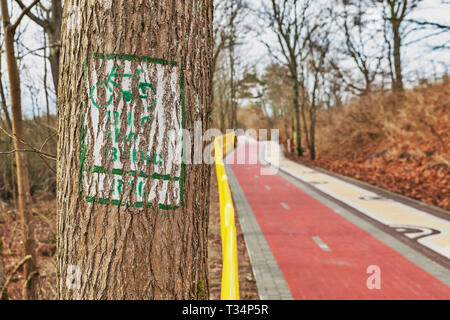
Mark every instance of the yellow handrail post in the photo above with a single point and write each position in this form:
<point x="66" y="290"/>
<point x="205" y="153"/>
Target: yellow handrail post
<point x="230" y="277"/>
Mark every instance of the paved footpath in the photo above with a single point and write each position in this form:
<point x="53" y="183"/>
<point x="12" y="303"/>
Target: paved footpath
<point x="305" y="243"/>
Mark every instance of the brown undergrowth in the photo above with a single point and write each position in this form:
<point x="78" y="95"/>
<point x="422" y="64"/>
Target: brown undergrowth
<point x="397" y="142"/>
<point x="44" y="218"/>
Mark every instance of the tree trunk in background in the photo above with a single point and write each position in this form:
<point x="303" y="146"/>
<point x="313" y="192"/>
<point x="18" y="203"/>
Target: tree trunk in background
<point x="3" y="102"/>
<point x="23" y="184"/>
<point x="303" y="113"/>
<point x="297" y="128"/>
<point x="3" y="98"/>
<point x="132" y="221"/>
<point x="397" y="43"/>
<point x="398" y="11"/>
<point x="2" y="272"/>
<point x="53" y="30"/>
<point x="233" y="103"/>
<point x="312" y="135"/>
<point x="52" y="27"/>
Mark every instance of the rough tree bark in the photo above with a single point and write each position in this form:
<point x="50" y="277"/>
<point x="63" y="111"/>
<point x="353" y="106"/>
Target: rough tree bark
<point x="131" y="222"/>
<point x="23" y="184"/>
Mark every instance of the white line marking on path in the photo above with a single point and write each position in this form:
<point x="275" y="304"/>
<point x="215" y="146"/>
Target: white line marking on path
<point x="284" y="205"/>
<point x="321" y="244"/>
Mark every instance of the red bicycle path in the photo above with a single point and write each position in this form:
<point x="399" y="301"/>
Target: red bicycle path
<point x="310" y="271"/>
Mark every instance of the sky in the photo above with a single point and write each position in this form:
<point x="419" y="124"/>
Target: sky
<point x="418" y="58"/>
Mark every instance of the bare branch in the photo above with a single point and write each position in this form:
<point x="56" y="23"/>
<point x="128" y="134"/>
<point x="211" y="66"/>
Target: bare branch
<point x="47" y="155"/>
<point x="16" y="268"/>
<point x="30" y="15"/>
<point x="430" y="24"/>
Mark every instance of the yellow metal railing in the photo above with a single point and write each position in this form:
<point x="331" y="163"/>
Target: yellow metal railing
<point x="230" y="280"/>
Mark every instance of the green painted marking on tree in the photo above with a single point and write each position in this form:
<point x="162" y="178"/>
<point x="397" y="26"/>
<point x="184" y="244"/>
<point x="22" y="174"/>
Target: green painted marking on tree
<point x="111" y="150"/>
<point x="117" y="171"/>
<point x="103" y="200"/>
<point x="183" y="111"/>
<point x="139" y="204"/>
<point x="113" y="143"/>
<point x="117" y="203"/>
<point x="129" y="57"/>
<point x="167" y="207"/>
<point x="98" y="169"/>
<point x="141" y="174"/>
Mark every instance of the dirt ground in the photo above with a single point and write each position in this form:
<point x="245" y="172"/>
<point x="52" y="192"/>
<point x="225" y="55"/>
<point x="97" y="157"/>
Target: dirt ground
<point x="44" y="217"/>
<point x="247" y="284"/>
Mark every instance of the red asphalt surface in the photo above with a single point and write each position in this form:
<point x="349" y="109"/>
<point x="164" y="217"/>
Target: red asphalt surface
<point x="312" y="273"/>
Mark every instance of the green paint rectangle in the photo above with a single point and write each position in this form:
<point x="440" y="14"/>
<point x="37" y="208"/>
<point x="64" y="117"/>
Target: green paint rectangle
<point x="116" y="171"/>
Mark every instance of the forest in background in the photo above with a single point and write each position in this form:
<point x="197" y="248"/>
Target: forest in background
<point x="342" y="76"/>
<point x="339" y="77"/>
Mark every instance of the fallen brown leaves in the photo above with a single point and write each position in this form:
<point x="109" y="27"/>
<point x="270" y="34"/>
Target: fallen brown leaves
<point x="43" y="217"/>
<point x="399" y="143"/>
<point x="409" y="178"/>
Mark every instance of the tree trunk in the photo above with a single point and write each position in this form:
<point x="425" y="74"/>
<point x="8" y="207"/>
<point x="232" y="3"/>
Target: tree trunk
<point x="312" y="134"/>
<point x="232" y="87"/>
<point x="303" y="113"/>
<point x="222" y="118"/>
<point x="3" y="102"/>
<point x="297" y="128"/>
<point x="3" y="99"/>
<point x="2" y="273"/>
<point x="52" y="27"/>
<point x="23" y="185"/>
<point x="398" y="85"/>
<point x="132" y="220"/>
<point x="54" y="35"/>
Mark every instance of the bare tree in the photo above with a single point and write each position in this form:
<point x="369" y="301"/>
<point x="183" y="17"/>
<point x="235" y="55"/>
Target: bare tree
<point x="433" y="29"/>
<point x="358" y="46"/>
<point x="50" y="20"/>
<point x="319" y="44"/>
<point x="288" y="19"/>
<point x="229" y="18"/>
<point x="9" y="28"/>
<point x="395" y="13"/>
<point x="221" y="91"/>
